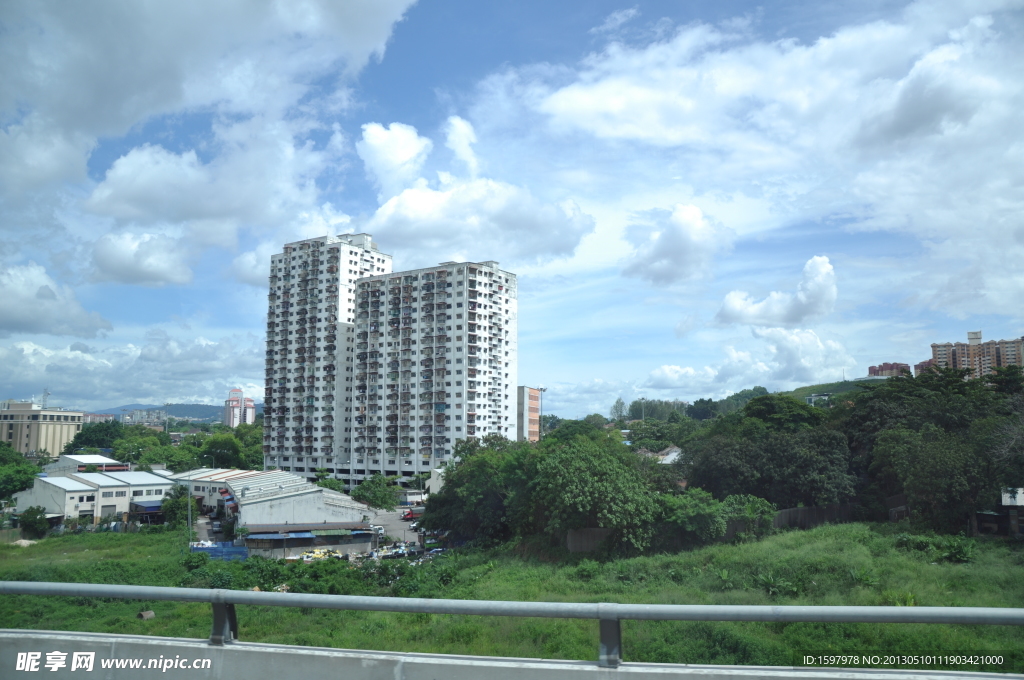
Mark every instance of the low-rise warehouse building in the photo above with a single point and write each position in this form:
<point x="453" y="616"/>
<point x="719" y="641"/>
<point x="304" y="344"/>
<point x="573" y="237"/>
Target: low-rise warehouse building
<point x="80" y="462"/>
<point x="59" y="496"/>
<point x="112" y="494"/>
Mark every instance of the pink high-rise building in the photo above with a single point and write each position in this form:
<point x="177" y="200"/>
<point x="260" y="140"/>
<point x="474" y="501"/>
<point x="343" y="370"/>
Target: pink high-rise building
<point x="238" y="409"/>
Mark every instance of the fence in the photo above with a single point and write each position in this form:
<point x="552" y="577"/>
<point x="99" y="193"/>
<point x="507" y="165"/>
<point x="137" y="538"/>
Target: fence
<point x="225" y="622"/>
<point x="808" y="518"/>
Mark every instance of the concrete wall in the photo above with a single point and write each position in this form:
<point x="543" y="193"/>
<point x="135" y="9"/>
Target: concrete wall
<point x="254" y="661"/>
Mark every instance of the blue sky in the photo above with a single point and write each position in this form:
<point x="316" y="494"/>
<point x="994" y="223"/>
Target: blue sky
<point x="698" y="197"/>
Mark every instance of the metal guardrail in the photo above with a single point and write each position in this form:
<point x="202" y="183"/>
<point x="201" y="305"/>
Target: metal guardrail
<point x="225" y="622"/>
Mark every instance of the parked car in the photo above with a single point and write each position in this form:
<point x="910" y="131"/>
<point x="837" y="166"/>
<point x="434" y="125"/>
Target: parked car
<point x="215" y="526"/>
<point x="415" y="526"/>
<point x="379" y="529"/>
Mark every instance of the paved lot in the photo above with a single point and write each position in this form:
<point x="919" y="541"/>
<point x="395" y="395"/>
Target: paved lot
<point x="394" y="527"/>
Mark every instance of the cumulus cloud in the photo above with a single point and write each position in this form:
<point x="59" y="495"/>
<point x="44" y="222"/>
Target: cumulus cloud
<point x="393" y="156"/>
<point x="907" y="123"/>
<point x="784" y="359"/>
<point x="815" y="296"/>
<point x="675" y="246"/>
<point x="479" y="219"/>
<point x="457" y="217"/>
<point x="801" y="357"/>
<point x="32" y="302"/>
<point x="72" y="74"/>
<point x="146" y="259"/>
<point x="460" y="140"/>
<point x="160" y="369"/>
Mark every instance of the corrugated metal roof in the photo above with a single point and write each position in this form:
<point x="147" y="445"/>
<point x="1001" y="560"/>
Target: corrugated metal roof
<point x="92" y="459"/>
<point x="148" y="504"/>
<point x="137" y="478"/>
<point x="288" y="528"/>
<point x="97" y="478"/>
<point x="66" y="483"/>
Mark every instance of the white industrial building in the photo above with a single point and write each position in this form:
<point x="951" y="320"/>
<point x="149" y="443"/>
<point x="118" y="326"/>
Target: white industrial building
<point x="276" y="497"/>
<point x="374" y="372"/>
<point x="113" y="495"/>
<point x="59" y="496"/>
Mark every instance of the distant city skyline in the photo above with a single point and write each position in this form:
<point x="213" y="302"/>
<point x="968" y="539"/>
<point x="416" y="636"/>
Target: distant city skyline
<point x="696" y="198"/>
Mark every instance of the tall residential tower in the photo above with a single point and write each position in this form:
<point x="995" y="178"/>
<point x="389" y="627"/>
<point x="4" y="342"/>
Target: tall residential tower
<point x="308" y="398"/>
<point x="436" y="361"/>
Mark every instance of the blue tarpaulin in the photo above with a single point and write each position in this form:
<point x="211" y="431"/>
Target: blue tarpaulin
<point x="224" y="550"/>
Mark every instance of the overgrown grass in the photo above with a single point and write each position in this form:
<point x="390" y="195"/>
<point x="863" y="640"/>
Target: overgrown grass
<point x="854" y="564"/>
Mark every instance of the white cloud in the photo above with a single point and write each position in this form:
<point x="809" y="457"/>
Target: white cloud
<point x="460" y="140"/>
<point x="393" y="156"/>
<point x="815" y="296"/>
<point x="785" y="359"/>
<point x="72" y="74"/>
<point x="616" y="19"/>
<point x="32" y="302"/>
<point x="801" y="357"/>
<point x="674" y="247"/>
<point x="477" y="219"/>
<point x="146" y="259"/>
<point x="160" y="369"/>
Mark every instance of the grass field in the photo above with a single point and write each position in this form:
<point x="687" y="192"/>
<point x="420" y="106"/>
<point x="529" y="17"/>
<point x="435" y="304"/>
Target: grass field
<point x="857" y="564"/>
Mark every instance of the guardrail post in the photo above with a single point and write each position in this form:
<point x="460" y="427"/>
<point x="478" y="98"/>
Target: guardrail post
<point x="225" y="622"/>
<point x="610" y="650"/>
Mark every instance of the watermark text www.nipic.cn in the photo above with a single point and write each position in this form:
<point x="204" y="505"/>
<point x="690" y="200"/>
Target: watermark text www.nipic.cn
<point x="86" y="661"/>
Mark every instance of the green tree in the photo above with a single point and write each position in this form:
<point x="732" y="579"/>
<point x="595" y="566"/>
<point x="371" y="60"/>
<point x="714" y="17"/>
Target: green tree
<point x="784" y="414"/>
<point x="618" y="411"/>
<point x="16" y="473"/>
<point x="377" y="492"/>
<point x="33" y="522"/>
<point x="332" y="484"/>
<point x="702" y="409"/>
<point x="95" y="435"/>
<point x="225" y="450"/>
<point x="596" y="419"/>
<point x="1008" y="380"/>
<point x="175" y="506"/>
<point x="582" y="484"/>
<point x="485" y="496"/>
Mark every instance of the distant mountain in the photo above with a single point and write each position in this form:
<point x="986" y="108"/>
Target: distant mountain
<point x="190" y="411"/>
<point x="116" y="410"/>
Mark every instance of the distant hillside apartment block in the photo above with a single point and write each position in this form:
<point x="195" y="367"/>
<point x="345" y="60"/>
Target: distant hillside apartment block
<point x="239" y="409"/>
<point x="30" y="428"/>
<point x="977" y="356"/>
<point x="436" y="361"/>
<point x="888" y="370"/>
<point x="528" y="414"/>
<point x="308" y="397"/>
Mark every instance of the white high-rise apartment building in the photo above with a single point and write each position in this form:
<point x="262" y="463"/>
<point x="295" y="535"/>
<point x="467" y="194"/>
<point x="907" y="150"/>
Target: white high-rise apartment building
<point x="436" y="360"/>
<point x="308" y="398"/>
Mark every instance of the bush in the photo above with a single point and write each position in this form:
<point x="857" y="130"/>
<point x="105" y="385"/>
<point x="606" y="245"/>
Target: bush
<point x="33" y="522"/>
<point x="959" y="549"/>
<point x="195" y="560"/>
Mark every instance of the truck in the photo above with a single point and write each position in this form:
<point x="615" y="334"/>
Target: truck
<point x="413" y="513"/>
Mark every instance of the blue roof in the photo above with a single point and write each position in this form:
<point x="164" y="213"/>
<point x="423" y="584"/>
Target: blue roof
<point x="281" y="537"/>
<point x="148" y="504"/>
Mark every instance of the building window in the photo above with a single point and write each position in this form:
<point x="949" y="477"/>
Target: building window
<point x="137" y="493"/>
<point x="120" y="494"/>
<point x="107" y="494"/>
